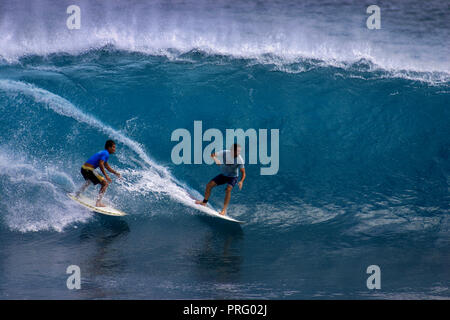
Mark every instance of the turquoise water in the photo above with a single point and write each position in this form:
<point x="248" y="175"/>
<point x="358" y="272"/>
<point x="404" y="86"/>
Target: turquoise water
<point x="364" y="146"/>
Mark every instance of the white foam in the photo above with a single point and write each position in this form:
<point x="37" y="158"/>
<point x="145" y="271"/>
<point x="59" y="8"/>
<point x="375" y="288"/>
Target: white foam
<point x="31" y="200"/>
<point x="241" y="29"/>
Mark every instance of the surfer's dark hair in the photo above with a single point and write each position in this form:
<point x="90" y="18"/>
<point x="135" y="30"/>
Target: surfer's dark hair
<point x="235" y="146"/>
<point x="109" y="144"/>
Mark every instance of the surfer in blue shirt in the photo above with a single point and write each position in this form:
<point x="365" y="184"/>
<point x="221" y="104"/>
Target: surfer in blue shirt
<point x="230" y="163"/>
<point x="100" y="159"/>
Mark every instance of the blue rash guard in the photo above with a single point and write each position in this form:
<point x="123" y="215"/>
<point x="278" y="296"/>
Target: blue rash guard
<point x="95" y="159"/>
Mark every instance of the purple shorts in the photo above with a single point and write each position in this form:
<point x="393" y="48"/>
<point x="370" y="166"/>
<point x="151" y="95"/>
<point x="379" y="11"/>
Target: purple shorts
<point x="222" y="179"/>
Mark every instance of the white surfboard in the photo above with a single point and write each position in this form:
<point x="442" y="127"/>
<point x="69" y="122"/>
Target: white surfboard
<point x="90" y="204"/>
<point x="214" y="213"/>
<point x="211" y="212"/>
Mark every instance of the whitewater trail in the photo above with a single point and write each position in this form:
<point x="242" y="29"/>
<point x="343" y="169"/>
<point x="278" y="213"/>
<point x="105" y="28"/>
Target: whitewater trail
<point x="31" y="198"/>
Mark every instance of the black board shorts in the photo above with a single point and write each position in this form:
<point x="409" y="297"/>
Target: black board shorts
<point x="222" y="179"/>
<point x="91" y="175"/>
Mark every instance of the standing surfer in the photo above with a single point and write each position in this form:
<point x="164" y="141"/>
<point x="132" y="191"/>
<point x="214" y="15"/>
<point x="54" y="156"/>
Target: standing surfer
<point x="230" y="162"/>
<point x="100" y="159"/>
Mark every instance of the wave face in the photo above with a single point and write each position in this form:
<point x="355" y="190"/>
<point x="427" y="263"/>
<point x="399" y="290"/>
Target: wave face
<point x="364" y="149"/>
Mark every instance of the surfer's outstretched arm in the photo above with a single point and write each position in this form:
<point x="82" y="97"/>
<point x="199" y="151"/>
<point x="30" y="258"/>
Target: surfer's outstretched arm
<point x="240" y="183"/>
<point x="216" y="160"/>
<point x="111" y="170"/>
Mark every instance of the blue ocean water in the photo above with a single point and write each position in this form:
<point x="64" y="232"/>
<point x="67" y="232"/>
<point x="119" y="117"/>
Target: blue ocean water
<point x="364" y="149"/>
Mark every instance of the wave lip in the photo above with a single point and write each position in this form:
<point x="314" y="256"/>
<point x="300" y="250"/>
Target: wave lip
<point x="287" y="30"/>
<point x="361" y="68"/>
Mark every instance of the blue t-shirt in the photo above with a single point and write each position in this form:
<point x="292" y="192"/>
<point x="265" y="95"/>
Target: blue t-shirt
<point x="230" y="165"/>
<point x="95" y="159"/>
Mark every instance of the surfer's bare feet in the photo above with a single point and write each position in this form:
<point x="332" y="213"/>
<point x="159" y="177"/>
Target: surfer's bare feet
<point x="99" y="204"/>
<point x="223" y="212"/>
<point x="200" y="202"/>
